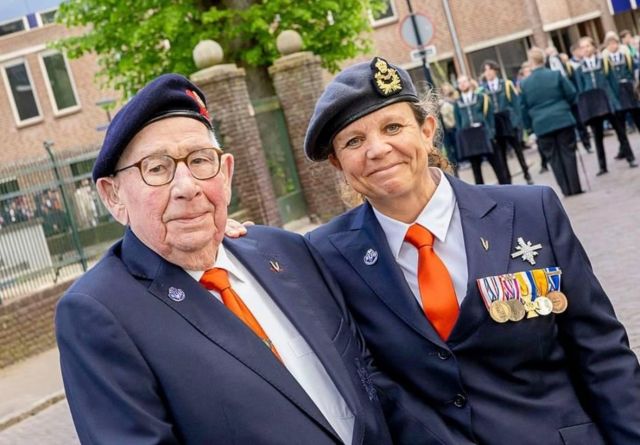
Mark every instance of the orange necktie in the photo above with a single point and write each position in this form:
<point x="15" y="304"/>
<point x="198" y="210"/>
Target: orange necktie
<point x="218" y="280"/>
<point x="438" y="296"/>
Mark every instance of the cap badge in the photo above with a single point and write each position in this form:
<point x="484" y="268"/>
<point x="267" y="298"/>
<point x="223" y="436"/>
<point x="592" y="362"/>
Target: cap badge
<point x="203" y="108"/>
<point x="385" y="79"/>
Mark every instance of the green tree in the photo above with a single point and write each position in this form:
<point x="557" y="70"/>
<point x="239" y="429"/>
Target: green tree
<point x="136" y="40"/>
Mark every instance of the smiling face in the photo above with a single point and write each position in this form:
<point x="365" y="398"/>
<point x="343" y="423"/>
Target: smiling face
<point x="182" y="221"/>
<point x="384" y="156"/>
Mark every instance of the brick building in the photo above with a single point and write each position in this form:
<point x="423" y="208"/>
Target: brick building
<point x="490" y="29"/>
<point x="43" y="94"/>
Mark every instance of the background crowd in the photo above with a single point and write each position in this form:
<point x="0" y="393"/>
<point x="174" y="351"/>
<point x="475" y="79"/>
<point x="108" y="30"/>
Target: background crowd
<point x="556" y="98"/>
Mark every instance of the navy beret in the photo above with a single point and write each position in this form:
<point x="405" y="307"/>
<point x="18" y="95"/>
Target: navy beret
<point x="168" y="95"/>
<point x="355" y="92"/>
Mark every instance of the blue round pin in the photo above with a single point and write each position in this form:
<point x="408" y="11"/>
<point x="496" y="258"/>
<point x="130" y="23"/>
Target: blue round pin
<point x="176" y="294"/>
<point x="370" y="257"/>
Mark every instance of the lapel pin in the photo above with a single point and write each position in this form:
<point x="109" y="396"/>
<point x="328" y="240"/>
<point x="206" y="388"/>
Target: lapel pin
<point x="370" y="257"/>
<point x="275" y="266"/>
<point x="176" y="294"/>
<point x="526" y="251"/>
<point x="485" y="243"/>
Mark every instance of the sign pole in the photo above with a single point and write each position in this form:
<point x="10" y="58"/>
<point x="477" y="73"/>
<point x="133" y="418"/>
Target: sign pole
<point x="425" y="61"/>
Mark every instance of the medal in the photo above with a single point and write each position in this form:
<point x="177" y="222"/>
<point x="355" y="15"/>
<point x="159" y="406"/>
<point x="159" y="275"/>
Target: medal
<point x="543" y="305"/>
<point x="517" y="310"/>
<point x="559" y="301"/>
<point x="500" y="311"/>
<point x="526" y="291"/>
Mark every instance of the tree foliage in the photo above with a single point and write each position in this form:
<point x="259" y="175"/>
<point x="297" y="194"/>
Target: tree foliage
<point x="136" y="40"/>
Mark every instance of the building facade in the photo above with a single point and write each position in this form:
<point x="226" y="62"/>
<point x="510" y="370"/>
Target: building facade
<point x="461" y="34"/>
<point x="44" y="95"/>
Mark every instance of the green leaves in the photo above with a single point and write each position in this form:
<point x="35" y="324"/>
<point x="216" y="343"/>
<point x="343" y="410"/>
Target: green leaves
<point x="136" y="40"/>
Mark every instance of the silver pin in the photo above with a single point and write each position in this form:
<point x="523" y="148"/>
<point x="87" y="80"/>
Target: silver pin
<point x="526" y="250"/>
<point x="485" y="243"/>
<point x="275" y="266"/>
<point x="176" y="294"/>
<point x="370" y="257"/>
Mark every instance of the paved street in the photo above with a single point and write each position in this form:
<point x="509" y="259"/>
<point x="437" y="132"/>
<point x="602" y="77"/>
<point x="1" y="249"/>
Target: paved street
<point x="605" y="219"/>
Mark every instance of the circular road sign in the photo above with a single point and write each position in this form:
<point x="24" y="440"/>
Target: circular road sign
<point x="425" y="29"/>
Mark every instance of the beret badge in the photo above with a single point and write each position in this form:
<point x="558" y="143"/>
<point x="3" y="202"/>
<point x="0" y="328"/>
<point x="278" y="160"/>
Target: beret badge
<point x="202" y="107"/>
<point x="385" y="79"/>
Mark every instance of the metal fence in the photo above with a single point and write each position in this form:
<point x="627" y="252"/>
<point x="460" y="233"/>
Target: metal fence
<point x="53" y="225"/>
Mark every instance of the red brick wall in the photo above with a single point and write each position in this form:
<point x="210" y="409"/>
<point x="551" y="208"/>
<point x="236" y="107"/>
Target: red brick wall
<point x="26" y="325"/>
<point x="74" y="132"/>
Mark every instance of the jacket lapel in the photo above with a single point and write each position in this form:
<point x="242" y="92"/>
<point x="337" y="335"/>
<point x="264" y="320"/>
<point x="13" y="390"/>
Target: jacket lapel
<point x="384" y="277"/>
<point x="482" y="219"/>
<point x="209" y="316"/>
<point x="284" y="287"/>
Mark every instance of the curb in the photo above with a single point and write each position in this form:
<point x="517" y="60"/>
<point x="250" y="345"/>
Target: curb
<point x="37" y="407"/>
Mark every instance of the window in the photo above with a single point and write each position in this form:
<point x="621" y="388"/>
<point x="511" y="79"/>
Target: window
<point x="8" y="186"/>
<point x="24" y="103"/>
<point x="13" y="26"/>
<point x="389" y="15"/>
<point x="47" y="17"/>
<point x="59" y="82"/>
<point x="509" y="56"/>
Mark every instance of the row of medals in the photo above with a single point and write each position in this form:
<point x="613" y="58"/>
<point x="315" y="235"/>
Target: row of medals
<point x="516" y="309"/>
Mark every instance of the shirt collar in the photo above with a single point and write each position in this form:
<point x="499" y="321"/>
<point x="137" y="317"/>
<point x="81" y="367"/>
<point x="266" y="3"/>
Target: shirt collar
<point x="436" y="216"/>
<point x="225" y="261"/>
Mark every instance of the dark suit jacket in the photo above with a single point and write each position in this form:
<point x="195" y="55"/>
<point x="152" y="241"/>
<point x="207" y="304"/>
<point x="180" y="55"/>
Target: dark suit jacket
<point x="546" y="101"/>
<point x="557" y="379"/>
<point x="140" y="368"/>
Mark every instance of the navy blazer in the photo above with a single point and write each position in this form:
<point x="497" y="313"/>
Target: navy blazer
<point x="141" y="368"/>
<point x="556" y="379"/>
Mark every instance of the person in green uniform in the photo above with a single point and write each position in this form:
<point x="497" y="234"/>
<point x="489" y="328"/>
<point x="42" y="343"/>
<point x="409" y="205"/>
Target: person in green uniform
<point x="546" y="98"/>
<point x="476" y="130"/>
<point x="623" y="67"/>
<point x="597" y="101"/>
<point x="506" y="111"/>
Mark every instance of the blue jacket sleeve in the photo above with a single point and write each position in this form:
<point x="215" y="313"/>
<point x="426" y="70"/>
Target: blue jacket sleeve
<point x="605" y="370"/>
<point x="108" y="384"/>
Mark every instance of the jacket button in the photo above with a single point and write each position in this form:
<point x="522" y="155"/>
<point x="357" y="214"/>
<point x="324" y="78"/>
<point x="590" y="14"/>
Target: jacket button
<point x="444" y="355"/>
<point x="460" y="401"/>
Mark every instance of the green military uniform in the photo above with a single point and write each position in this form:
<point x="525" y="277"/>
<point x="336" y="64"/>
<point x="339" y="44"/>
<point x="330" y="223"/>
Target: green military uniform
<point x="546" y="109"/>
<point x="506" y="107"/>
<point x="476" y="131"/>
<point x="598" y="101"/>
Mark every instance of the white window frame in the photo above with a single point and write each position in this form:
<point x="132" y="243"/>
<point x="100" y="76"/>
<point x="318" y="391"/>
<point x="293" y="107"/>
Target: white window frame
<point x="387" y="20"/>
<point x="47" y="83"/>
<point x="14" y="107"/>
<point x="39" y="16"/>
<point x="24" y="20"/>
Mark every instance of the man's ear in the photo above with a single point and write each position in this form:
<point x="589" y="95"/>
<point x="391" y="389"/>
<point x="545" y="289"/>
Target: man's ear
<point x="109" y="194"/>
<point x="334" y="161"/>
<point x="227" y="163"/>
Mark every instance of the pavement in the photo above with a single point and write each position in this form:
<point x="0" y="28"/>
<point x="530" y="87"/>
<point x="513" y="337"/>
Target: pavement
<point x="33" y="409"/>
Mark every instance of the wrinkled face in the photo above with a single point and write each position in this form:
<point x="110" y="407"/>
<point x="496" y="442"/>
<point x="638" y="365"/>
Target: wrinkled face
<point x="384" y="155"/>
<point x="612" y="46"/>
<point x="489" y="73"/>
<point x="587" y="48"/>
<point x="184" y="220"/>
<point x="463" y="83"/>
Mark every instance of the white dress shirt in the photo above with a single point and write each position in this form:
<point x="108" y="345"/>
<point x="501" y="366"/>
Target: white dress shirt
<point x="493" y="84"/>
<point x="441" y="217"/>
<point x="467" y="97"/>
<point x="296" y="354"/>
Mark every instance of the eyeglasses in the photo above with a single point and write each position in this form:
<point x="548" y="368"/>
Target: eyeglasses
<point x="157" y="170"/>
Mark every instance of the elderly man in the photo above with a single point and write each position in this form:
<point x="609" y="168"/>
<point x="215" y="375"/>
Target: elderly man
<point x="176" y="337"/>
